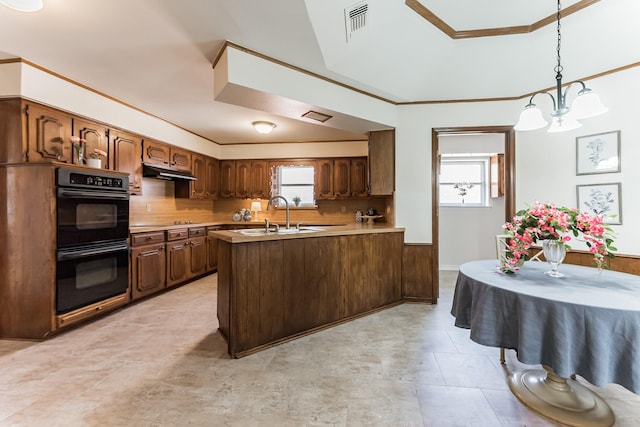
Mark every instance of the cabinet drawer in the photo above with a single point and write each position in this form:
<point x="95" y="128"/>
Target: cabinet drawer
<point x="177" y="234"/>
<point x="147" y="238"/>
<point x="199" y="231"/>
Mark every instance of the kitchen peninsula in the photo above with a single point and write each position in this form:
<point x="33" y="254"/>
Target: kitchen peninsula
<point x="279" y="286"/>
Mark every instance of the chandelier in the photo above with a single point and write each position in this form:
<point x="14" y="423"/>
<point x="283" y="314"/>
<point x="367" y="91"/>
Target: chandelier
<point x="564" y="117"/>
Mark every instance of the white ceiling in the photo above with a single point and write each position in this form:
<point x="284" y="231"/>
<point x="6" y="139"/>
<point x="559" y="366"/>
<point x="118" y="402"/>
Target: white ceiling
<point x="157" y="54"/>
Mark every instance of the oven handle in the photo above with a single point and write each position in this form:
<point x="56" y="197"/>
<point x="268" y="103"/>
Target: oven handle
<point x="82" y="194"/>
<point x="68" y="254"/>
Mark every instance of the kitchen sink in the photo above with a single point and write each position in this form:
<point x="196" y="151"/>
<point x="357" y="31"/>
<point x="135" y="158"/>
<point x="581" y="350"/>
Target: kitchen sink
<point x="262" y="231"/>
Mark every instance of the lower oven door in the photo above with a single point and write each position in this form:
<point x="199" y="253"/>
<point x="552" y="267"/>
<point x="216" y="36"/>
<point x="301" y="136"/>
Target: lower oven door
<point x="91" y="273"/>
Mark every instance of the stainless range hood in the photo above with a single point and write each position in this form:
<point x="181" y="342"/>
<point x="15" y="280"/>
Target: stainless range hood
<point x="167" y="173"/>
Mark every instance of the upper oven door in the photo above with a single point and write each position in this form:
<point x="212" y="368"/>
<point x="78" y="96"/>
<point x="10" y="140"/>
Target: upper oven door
<point x="90" y="216"/>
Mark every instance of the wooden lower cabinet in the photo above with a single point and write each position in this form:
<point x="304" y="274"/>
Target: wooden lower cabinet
<point x="197" y="249"/>
<point x="270" y="291"/>
<point x="177" y="262"/>
<point x="186" y="254"/>
<point x="148" y="274"/>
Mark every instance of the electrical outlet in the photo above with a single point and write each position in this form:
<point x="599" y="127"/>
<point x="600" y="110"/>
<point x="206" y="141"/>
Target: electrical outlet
<point x="148" y="207"/>
<point x="343" y="209"/>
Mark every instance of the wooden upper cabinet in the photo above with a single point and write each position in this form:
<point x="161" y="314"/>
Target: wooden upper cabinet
<point x="155" y="152"/>
<point x="227" y="178"/>
<point x="180" y="159"/>
<point x="324" y="179"/>
<point x="212" y="178"/>
<point x="243" y="178"/>
<point x="359" y="177"/>
<point x="48" y="134"/>
<point x="96" y="137"/>
<point x="127" y="157"/>
<point x="341" y="178"/>
<point x="382" y="163"/>
<point x="259" y="180"/>
<point x="199" y="170"/>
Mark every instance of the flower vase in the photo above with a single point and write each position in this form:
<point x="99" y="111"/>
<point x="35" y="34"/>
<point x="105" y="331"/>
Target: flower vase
<point x="94" y="163"/>
<point x="554" y="252"/>
<point x="79" y="160"/>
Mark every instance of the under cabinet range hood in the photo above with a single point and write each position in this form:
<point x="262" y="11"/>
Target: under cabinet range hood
<point x="167" y="173"/>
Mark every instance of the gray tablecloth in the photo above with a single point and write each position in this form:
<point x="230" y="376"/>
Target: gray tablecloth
<point x="587" y="322"/>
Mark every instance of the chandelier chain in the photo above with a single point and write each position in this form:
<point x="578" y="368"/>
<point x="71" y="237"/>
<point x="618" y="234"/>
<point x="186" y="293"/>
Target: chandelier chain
<point x="558" y="68"/>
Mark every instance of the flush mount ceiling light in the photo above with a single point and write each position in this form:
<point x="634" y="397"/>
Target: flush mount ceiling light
<point x="23" y="5"/>
<point x="563" y="118"/>
<point x="263" y="127"/>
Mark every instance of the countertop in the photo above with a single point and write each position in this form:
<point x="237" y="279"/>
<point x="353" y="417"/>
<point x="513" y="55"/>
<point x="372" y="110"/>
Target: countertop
<point x="164" y="227"/>
<point x="334" y="230"/>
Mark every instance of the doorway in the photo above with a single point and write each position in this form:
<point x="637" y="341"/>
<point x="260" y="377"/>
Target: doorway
<point x="509" y="178"/>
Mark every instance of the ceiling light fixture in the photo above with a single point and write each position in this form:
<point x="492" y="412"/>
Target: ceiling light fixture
<point x="563" y="118"/>
<point x="263" y="127"/>
<point x="23" y="5"/>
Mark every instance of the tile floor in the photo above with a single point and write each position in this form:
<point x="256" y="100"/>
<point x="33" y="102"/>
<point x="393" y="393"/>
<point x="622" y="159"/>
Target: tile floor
<point x="161" y="362"/>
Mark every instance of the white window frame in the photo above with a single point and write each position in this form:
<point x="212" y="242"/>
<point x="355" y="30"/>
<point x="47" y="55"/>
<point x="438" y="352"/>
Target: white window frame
<point x="484" y="184"/>
<point x="276" y="184"/>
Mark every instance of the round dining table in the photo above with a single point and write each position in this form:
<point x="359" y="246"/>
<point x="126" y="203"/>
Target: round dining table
<point x="585" y="323"/>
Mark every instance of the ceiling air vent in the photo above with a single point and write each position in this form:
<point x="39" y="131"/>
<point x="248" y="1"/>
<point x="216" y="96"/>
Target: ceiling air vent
<point x="355" y="18"/>
<point x="314" y="115"/>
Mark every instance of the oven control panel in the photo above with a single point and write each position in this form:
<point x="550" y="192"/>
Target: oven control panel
<point x="95" y="180"/>
<point x="104" y="180"/>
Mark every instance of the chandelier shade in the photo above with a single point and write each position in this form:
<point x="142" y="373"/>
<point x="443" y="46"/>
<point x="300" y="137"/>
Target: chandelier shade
<point x="564" y="117"/>
<point x="23" y="5"/>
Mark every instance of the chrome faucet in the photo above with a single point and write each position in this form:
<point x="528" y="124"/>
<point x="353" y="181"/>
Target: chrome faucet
<point x="286" y="204"/>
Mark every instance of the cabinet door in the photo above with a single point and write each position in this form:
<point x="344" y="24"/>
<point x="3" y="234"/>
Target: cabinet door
<point x="177" y="262"/>
<point x="259" y="179"/>
<point x="155" y="152"/>
<point x="180" y="159"/>
<point x="324" y="179"/>
<point x="342" y="178"/>
<point x="227" y="178"/>
<point x="197" y="256"/>
<point x="48" y="135"/>
<point x="147" y="270"/>
<point x="212" y="178"/>
<point x="243" y="178"/>
<point x="199" y="171"/>
<point x="97" y="137"/>
<point x="359" y="181"/>
<point x="127" y="157"/>
<point x="382" y="162"/>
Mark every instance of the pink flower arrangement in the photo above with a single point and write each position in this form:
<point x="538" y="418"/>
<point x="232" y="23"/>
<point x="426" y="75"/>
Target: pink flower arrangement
<point x="97" y="153"/>
<point x="546" y="221"/>
<point x="76" y="141"/>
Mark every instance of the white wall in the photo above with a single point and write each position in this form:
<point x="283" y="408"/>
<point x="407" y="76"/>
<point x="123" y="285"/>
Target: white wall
<point x="20" y="79"/>
<point x="468" y="233"/>
<point x="545" y="163"/>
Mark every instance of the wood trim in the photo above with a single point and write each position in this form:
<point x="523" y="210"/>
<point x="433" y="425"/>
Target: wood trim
<point x="109" y="97"/>
<point x="284" y="64"/>
<point x="509" y="178"/>
<point x="295" y="68"/>
<point x="440" y="24"/>
<point x="10" y="60"/>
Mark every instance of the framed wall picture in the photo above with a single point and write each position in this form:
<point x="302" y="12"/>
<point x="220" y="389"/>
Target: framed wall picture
<point x="599" y="153"/>
<point x="601" y="199"/>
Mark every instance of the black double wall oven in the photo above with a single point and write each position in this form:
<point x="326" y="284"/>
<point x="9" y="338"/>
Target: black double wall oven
<point x="92" y="232"/>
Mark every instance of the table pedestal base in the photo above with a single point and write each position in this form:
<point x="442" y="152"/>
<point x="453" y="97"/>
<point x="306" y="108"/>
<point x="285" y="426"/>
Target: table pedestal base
<point x="560" y="399"/>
